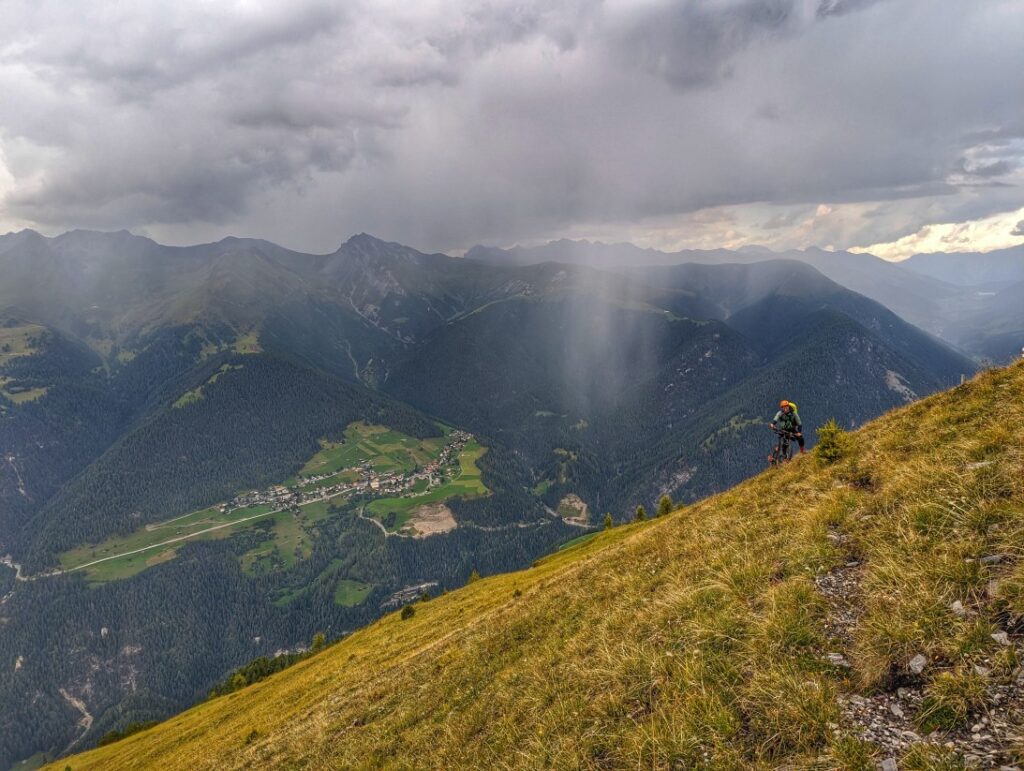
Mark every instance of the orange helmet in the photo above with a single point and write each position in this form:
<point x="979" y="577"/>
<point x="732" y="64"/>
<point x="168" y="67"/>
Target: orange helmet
<point x="784" y="403"/>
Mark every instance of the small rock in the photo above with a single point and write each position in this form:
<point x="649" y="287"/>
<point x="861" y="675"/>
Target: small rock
<point x="976" y="728"/>
<point x="958" y="609"/>
<point x="993" y="559"/>
<point x="1001" y="637"/>
<point x="837" y="660"/>
<point x="896" y="709"/>
<point x="889" y="764"/>
<point x="919" y="662"/>
<point x="981" y="671"/>
<point x="852" y="564"/>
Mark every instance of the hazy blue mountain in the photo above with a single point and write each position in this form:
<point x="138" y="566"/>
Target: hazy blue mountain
<point x="974" y="269"/>
<point x="948" y="295"/>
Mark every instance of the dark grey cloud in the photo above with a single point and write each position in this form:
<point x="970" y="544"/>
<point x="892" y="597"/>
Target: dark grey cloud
<point x="446" y="123"/>
<point x="692" y="44"/>
<point x="1019" y="230"/>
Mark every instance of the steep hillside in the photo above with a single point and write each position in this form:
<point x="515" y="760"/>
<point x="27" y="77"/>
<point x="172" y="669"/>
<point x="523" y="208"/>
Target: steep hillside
<point x="831" y="615"/>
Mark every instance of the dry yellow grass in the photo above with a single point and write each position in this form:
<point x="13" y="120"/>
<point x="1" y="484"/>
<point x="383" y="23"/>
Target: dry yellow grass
<point x="693" y="640"/>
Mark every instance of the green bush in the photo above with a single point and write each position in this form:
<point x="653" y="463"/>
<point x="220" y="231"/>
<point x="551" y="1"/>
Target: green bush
<point x="408" y="612"/>
<point x="833" y="442"/>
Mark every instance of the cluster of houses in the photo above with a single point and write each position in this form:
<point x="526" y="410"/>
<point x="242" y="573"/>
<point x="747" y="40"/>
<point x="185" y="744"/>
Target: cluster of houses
<point x="370" y="482"/>
<point x="408" y="594"/>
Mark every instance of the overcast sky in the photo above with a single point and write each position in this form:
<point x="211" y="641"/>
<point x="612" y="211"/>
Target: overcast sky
<point x="892" y="125"/>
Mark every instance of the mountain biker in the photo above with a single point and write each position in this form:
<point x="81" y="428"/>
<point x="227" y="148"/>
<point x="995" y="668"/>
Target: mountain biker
<point x="788" y="419"/>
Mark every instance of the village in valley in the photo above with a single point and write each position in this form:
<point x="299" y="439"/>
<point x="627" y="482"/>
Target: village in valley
<point x="399" y="483"/>
<point x="369" y="481"/>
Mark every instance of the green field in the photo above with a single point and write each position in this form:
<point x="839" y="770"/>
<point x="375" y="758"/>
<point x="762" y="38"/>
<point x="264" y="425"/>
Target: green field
<point x="196" y="394"/>
<point x="289" y="536"/>
<point x="198" y="524"/>
<point x="291" y="540"/>
<point x="351" y="593"/>
<point x="383" y="449"/>
<point x="465" y="484"/>
<point x="18" y="341"/>
<point x="21" y="396"/>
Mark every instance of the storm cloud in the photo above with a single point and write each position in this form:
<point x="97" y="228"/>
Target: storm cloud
<point x="836" y="123"/>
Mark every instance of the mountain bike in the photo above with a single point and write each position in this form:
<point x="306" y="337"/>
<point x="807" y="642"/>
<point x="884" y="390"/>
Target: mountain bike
<point x="783" y="449"/>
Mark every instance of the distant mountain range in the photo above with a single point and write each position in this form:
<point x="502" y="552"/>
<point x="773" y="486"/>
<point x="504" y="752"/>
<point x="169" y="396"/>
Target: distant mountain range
<point x="607" y="373"/>
<point x="964" y="298"/>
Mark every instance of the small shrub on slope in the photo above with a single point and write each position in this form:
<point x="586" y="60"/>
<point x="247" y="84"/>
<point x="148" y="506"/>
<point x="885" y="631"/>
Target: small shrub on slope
<point x="833" y="442"/>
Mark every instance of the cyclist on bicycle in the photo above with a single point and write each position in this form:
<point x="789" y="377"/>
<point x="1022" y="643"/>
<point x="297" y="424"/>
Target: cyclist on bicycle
<point x="788" y="419"/>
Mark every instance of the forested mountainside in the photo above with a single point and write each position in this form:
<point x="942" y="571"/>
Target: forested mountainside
<point x="195" y="392"/>
<point x="860" y="605"/>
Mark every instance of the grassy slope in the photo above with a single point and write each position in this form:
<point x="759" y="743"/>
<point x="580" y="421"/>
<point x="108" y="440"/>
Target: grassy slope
<point x="688" y="640"/>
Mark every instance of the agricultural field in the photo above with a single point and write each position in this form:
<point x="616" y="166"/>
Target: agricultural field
<point x="383" y="449"/>
<point x="349" y="593"/>
<point x="19" y="340"/>
<point x="289" y="540"/>
<point x="396" y="512"/>
<point x="141" y="549"/>
<point x="20" y="395"/>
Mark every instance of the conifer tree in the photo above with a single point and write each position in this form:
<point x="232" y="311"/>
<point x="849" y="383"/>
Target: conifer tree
<point x="641" y="513"/>
<point x="609" y="523"/>
<point x="664" y="506"/>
